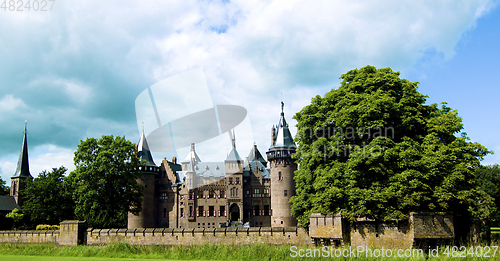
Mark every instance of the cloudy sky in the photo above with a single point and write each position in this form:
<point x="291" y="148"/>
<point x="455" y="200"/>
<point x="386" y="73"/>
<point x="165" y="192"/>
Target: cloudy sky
<point x="76" y="71"/>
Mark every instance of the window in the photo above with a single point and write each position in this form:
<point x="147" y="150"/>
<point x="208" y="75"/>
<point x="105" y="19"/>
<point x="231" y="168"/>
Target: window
<point x="237" y="181"/>
<point x="200" y="212"/>
<point x="164" y="212"/>
<point x="266" y="192"/>
<point x="211" y="194"/>
<point x="182" y="212"/>
<point x="234" y="192"/>
<point x="211" y="211"/>
<point x="286" y="193"/>
<point x="222" y="193"/>
<point x="222" y="211"/>
<point x="266" y="210"/>
<point x="230" y="181"/>
<point x="256" y="191"/>
<point x="190" y="211"/>
<point x="279" y="176"/>
<point x="256" y="211"/>
<point x="256" y="180"/>
<point x="163" y="196"/>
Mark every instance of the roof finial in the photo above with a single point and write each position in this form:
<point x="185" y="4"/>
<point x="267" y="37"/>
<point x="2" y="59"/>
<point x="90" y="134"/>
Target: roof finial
<point x="282" y="107"/>
<point x="142" y="127"/>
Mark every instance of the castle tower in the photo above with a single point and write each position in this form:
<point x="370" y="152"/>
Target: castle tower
<point x="22" y="171"/>
<point x="282" y="172"/>
<point x="146" y="218"/>
<point x="234" y="182"/>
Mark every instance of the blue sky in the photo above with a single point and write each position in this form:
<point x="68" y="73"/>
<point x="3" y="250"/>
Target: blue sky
<point x="75" y="72"/>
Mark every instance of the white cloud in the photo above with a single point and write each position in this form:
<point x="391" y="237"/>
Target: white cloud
<point x="8" y="103"/>
<point x="105" y="53"/>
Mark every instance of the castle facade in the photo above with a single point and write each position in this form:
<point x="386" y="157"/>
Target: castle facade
<point x="197" y="194"/>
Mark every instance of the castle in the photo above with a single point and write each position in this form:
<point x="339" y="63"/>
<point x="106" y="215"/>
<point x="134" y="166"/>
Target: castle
<point x="197" y="194"/>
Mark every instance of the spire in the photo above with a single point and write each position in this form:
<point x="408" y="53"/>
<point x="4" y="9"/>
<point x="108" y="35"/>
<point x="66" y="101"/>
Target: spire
<point x="281" y="134"/>
<point x="143" y="151"/>
<point x="233" y="155"/>
<point x="23" y="168"/>
<point x="192" y="157"/>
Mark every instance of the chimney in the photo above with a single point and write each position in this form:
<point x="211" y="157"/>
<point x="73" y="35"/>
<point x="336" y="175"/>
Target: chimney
<point x="174" y="160"/>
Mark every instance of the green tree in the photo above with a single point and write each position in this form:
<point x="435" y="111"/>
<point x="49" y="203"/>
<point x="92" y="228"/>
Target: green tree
<point x="15" y="215"/>
<point x="48" y="198"/>
<point x="372" y="148"/>
<point x="105" y="181"/>
<point x="4" y="190"/>
<point x="488" y="179"/>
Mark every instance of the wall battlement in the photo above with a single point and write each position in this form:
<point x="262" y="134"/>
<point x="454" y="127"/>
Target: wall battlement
<point x="195" y="236"/>
<point x="330" y="229"/>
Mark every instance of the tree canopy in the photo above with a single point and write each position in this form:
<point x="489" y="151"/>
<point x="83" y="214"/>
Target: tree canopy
<point x="48" y="198"/>
<point x="4" y="190"/>
<point x="373" y="148"/>
<point x="105" y="181"/>
<point x="488" y="179"/>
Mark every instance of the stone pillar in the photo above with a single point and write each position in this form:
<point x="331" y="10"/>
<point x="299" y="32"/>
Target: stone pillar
<point x="72" y="233"/>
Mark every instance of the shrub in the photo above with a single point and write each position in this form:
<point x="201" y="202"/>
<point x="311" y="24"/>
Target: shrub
<point x="47" y="227"/>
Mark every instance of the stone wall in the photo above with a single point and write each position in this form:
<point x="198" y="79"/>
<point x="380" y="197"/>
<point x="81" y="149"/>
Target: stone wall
<point x="225" y="236"/>
<point x="29" y="236"/>
<point x="376" y="234"/>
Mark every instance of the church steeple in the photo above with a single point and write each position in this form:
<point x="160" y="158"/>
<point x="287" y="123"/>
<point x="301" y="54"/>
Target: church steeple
<point x="22" y="171"/>
<point x="23" y="168"/>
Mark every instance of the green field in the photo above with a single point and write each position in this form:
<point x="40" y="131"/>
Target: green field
<point x="123" y="251"/>
<point x="58" y="258"/>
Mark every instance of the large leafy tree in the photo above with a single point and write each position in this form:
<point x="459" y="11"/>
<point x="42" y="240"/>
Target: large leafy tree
<point x="373" y="148"/>
<point x="4" y="190"/>
<point x="48" y="198"/>
<point x="488" y="179"/>
<point x="105" y="181"/>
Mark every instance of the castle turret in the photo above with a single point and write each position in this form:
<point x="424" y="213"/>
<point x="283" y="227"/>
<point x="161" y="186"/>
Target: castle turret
<point x="22" y="171"/>
<point x="234" y="181"/>
<point x="146" y="218"/>
<point x="282" y="172"/>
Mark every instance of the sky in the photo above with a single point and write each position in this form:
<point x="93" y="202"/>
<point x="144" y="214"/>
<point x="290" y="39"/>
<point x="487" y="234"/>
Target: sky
<point x="75" y="71"/>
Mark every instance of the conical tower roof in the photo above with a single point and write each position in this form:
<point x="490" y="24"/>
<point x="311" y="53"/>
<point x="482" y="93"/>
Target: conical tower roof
<point x="255" y="155"/>
<point x="233" y="155"/>
<point x="23" y="168"/>
<point x="283" y="137"/>
<point x="143" y="151"/>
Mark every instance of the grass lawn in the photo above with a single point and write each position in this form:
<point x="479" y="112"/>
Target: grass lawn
<point x="60" y="258"/>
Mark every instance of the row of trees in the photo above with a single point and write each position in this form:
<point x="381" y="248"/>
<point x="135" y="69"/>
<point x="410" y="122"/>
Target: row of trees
<point x="101" y="190"/>
<point x="373" y="148"/>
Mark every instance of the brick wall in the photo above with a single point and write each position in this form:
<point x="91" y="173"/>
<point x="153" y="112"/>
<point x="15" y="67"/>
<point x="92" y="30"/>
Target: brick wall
<point x="225" y="236"/>
<point x="29" y="236"/>
<point x="377" y="234"/>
